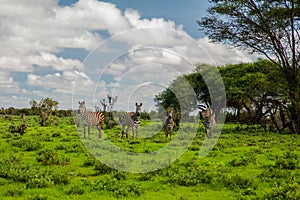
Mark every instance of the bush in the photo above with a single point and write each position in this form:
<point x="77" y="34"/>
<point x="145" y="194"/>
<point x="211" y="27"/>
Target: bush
<point x="75" y="190"/>
<point x="101" y="168"/>
<point x="118" y="188"/>
<point x="50" y="157"/>
<point x="38" y="197"/>
<point x="273" y="173"/>
<point x="289" y="160"/>
<point x="14" y="191"/>
<point x="189" y="176"/>
<point x="90" y="161"/>
<point x="236" y="182"/>
<point x="249" y="157"/>
<point x="39" y="182"/>
<point x="284" y="192"/>
<point x="29" y="145"/>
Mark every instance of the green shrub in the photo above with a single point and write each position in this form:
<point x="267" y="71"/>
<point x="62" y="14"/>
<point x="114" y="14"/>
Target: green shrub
<point x="189" y="176"/>
<point x="119" y="175"/>
<point x="29" y="145"/>
<point x="14" y="190"/>
<point x="249" y="157"/>
<point x="289" y="160"/>
<point x="51" y="157"/>
<point x="236" y="182"/>
<point x="118" y="188"/>
<point x="38" y="197"/>
<point x="39" y="182"/>
<point x="271" y="174"/>
<point x="101" y="168"/>
<point x="90" y="161"/>
<point x="284" y="192"/>
<point x="75" y="190"/>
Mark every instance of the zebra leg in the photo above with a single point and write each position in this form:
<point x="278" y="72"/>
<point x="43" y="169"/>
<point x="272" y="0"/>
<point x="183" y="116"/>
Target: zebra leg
<point x="99" y="129"/>
<point x="132" y="128"/>
<point x="84" y="130"/>
<point x="166" y="134"/>
<point x="127" y="131"/>
<point x="89" y="127"/>
<point x="208" y="134"/>
<point x="123" y="127"/>
<point x="136" y="131"/>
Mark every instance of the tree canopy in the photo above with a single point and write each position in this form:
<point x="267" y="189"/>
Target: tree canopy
<point x="271" y="28"/>
<point x="255" y="92"/>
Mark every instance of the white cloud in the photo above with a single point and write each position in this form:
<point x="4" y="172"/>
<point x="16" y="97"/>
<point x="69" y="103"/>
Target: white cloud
<point x="9" y="85"/>
<point x="33" y="32"/>
<point x="45" y="59"/>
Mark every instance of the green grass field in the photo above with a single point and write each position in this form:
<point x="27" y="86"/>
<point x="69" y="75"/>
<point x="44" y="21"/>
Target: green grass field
<point x="53" y="163"/>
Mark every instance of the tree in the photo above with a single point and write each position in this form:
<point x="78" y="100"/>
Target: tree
<point x="256" y="87"/>
<point x="268" y="27"/>
<point x="45" y="107"/>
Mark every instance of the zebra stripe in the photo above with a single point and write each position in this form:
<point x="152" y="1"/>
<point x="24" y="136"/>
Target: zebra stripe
<point x="208" y="120"/>
<point x="90" y="119"/>
<point x="168" y="124"/>
<point x="131" y="120"/>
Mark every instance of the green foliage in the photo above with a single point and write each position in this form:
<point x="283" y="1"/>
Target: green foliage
<point x="270" y="174"/>
<point x="189" y="176"/>
<point x="119" y="189"/>
<point x="249" y="157"/>
<point x="284" y="191"/>
<point x="14" y="191"/>
<point x="288" y="160"/>
<point x="51" y="157"/>
<point x="101" y="168"/>
<point x="41" y="174"/>
<point x="38" y="197"/>
<point x="75" y="190"/>
<point x="28" y="145"/>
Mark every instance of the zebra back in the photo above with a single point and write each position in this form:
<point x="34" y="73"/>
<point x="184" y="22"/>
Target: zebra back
<point x="127" y="119"/>
<point x="90" y="118"/>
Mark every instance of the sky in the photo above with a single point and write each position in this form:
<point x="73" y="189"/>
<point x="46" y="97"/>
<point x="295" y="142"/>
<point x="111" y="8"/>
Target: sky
<point x="72" y="50"/>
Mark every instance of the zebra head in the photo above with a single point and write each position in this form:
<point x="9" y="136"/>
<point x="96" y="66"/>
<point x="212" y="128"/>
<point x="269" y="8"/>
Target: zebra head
<point x="138" y="109"/>
<point x="170" y="114"/>
<point x="205" y="110"/>
<point x="82" y="107"/>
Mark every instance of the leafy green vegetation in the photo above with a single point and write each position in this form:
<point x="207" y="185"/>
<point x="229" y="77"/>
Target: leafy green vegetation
<point x="52" y="162"/>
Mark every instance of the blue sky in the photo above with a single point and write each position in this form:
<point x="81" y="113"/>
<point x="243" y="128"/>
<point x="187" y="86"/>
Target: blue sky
<point x="83" y="50"/>
<point x="182" y="12"/>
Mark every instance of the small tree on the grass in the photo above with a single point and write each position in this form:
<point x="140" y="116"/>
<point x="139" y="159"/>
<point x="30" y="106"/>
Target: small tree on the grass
<point x="108" y="105"/>
<point x="45" y="108"/>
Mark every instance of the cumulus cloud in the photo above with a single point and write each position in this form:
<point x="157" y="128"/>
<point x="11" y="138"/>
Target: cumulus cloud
<point x="33" y="35"/>
<point x="9" y="85"/>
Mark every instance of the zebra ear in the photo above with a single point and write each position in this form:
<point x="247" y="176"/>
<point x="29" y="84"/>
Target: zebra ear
<point x="83" y="102"/>
<point x="141" y="104"/>
<point x="136" y="104"/>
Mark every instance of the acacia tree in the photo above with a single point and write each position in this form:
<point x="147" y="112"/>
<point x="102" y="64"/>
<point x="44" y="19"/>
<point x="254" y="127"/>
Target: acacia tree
<point x="268" y="27"/>
<point x="45" y="107"/>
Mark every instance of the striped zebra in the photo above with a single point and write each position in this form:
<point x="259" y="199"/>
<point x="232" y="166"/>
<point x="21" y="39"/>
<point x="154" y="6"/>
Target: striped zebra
<point x="168" y="124"/>
<point x="131" y="120"/>
<point x="208" y="120"/>
<point x="90" y="119"/>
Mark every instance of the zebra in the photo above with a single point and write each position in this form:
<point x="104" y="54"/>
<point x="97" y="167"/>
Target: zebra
<point x="168" y="124"/>
<point x="90" y="119"/>
<point x="208" y="118"/>
<point x="131" y="120"/>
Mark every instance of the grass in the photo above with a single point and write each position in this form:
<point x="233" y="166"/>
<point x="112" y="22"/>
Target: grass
<point x="53" y="162"/>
